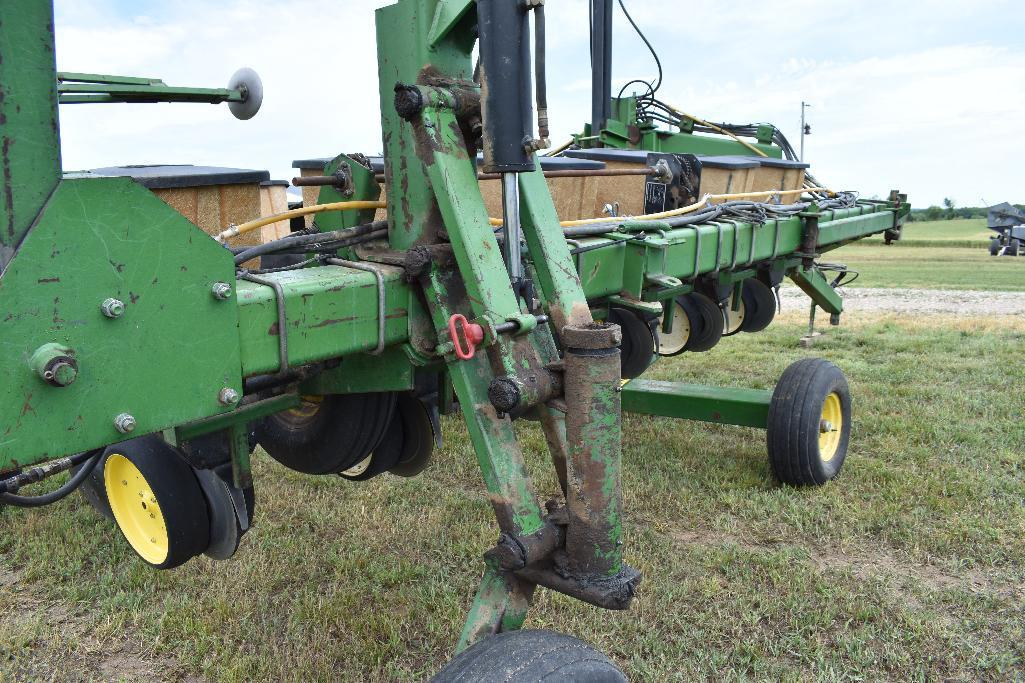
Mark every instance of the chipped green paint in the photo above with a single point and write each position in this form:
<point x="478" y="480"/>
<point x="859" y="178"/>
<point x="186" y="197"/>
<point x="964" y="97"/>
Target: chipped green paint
<point x="164" y="360"/>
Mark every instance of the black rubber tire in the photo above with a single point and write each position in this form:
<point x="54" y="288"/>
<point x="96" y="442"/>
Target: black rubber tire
<point x="1012" y="248"/>
<point x="530" y="656"/>
<point x="93" y="491"/>
<point x="994" y="246"/>
<point x="706" y="321"/>
<point x="418" y="437"/>
<point x="759" y="305"/>
<point x="637" y="350"/>
<point x="338" y="433"/>
<point x="795" y="416"/>
<point x="178" y="493"/>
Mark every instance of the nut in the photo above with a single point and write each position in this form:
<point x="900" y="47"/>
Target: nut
<point x="221" y="291"/>
<point x="228" y="396"/>
<point x="113" y="308"/>
<point x="124" y="423"/>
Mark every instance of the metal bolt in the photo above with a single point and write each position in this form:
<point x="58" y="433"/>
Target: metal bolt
<point x="113" y="308"/>
<point x="221" y="291"/>
<point x="124" y="423"/>
<point x="825" y="426"/>
<point x="228" y="396"/>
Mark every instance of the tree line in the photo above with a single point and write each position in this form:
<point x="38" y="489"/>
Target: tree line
<point x="949" y="211"/>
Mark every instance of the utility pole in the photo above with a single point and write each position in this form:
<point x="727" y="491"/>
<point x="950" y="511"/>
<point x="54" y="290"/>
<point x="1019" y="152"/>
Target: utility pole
<point x="805" y="128"/>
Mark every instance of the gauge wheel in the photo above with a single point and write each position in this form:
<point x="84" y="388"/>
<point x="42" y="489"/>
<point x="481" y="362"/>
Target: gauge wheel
<point x="674" y="342"/>
<point x="809" y="423"/>
<point x="529" y="656"/>
<point x="733" y="321"/>
<point x="637" y="350"/>
<point x="994" y="246"/>
<point x="759" y="305"/>
<point x="706" y="321"/>
<point x="327" y="434"/>
<point x="157" y="501"/>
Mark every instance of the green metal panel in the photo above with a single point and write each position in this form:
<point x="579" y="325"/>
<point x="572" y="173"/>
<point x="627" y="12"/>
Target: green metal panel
<point x="407" y="44"/>
<point x="331" y="311"/>
<point x="164" y="360"/>
<point x="815" y="285"/>
<point x="676" y="253"/>
<point x="362" y="373"/>
<point x="725" y="405"/>
<point x="30" y="163"/>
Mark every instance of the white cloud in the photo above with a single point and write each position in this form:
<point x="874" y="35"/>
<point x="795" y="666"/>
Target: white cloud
<point x="896" y="100"/>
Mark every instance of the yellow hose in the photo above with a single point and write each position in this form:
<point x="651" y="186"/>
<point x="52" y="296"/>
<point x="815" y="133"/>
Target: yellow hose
<point x="243" y="228"/>
<point x="718" y="129"/>
<point x="690" y="208"/>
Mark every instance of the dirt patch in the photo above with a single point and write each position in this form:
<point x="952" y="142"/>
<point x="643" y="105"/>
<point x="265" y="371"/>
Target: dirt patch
<point x="922" y="301"/>
<point x="867" y="563"/>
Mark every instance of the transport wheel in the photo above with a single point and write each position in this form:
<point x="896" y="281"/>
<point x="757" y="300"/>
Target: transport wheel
<point x="809" y="424"/>
<point x="994" y="247"/>
<point x="157" y="501"/>
<point x="1012" y="248"/>
<point x="706" y="321"/>
<point x="529" y="656"/>
<point x="327" y="434"/>
<point x="674" y="342"/>
<point x="93" y="490"/>
<point x="759" y="305"/>
<point x="637" y="350"/>
<point x="734" y="320"/>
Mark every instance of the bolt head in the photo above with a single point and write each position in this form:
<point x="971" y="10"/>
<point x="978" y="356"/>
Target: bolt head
<point x="825" y="426"/>
<point x="124" y="423"/>
<point x="112" y="308"/>
<point x="228" y="396"/>
<point x="62" y="373"/>
<point x="221" y="291"/>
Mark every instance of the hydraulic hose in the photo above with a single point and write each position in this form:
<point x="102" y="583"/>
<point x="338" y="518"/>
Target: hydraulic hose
<point x="342" y="238"/>
<point x="243" y="228"/>
<point x="89" y="461"/>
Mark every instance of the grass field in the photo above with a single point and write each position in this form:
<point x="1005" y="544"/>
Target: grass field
<point x="966" y="232"/>
<point x="936" y="255"/>
<point x="910" y="566"/>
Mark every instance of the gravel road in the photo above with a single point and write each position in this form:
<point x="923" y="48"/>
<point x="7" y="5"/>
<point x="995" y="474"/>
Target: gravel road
<point x="936" y="301"/>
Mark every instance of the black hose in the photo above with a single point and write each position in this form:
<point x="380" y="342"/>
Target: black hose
<point x="652" y="88"/>
<point x="65" y="490"/>
<point x="541" y="86"/>
<point x="343" y="237"/>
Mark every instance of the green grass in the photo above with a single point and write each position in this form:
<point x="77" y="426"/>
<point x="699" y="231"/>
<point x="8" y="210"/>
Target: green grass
<point x="964" y="232"/>
<point x="910" y="566"/>
<point x="930" y="267"/>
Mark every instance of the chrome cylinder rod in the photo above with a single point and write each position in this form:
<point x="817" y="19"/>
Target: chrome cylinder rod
<point x="511" y="229"/>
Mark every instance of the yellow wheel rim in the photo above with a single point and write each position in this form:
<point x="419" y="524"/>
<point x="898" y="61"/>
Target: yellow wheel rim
<point x="830" y="427"/>
<point x="674" y="341"/>
<point x="135" y="508"/>
<point x="734" y="319"/>
<point x="360" y="467"/>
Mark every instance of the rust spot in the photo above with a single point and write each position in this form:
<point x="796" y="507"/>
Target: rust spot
<point x="5" y="161"/>
<point x="133" y="296"/>
<point x="332" y="321"/>
<point x="119" y="267"/>
<point x="273" y="331"/>
<point x="27" y="407"/>
<point x="44" y="280"/>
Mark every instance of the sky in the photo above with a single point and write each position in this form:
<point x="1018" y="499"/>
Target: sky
<point x="922" y="96"/>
